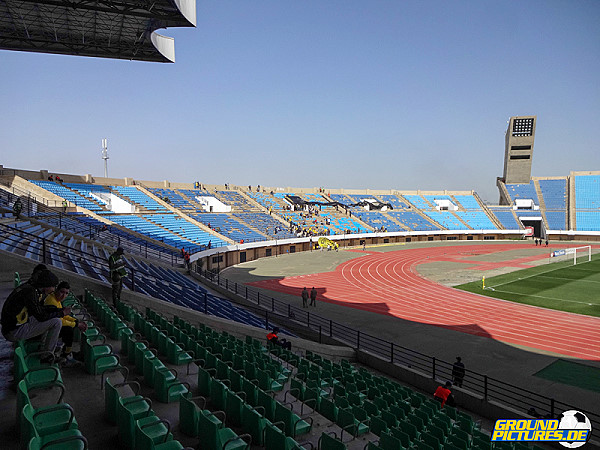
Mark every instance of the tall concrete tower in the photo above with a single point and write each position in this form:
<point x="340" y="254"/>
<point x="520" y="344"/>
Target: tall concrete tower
<point x="518" y="150"/>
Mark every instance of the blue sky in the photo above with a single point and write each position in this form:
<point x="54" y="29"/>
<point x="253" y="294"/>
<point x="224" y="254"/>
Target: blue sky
<point x="356" y="94"/>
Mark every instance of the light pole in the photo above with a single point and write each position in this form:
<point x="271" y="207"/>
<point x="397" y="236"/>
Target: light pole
<point x="105" y="156"/>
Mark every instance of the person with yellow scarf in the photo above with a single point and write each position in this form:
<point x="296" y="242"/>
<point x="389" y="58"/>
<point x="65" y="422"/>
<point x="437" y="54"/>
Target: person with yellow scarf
<point x="68" y="323"/>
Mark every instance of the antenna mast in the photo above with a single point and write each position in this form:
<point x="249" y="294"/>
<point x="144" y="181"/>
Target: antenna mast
<point x="105" y="156"/>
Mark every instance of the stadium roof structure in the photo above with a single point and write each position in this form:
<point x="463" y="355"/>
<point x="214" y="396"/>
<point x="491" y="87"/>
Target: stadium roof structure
<point x="120" y="29"/>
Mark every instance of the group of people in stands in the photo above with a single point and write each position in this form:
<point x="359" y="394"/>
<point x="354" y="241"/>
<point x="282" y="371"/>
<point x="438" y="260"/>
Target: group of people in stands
<point x="55" y="178"/>
<point x="34" y="310"/>
<point x="443" y="394"/>
<point x="186" y="258"/>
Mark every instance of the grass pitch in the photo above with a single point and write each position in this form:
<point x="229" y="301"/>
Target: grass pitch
<point x="562" y="286"/>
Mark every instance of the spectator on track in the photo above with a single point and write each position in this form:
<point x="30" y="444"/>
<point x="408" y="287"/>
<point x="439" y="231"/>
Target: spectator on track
<point x="313" y="297"/>
<point x="546" y="243"/>
<point x="458" y="372"/>
<point x="304" y="298"/>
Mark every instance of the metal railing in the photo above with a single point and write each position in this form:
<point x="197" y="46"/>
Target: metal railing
<point x="488" y="388"/>
<point x="64" y="256"/>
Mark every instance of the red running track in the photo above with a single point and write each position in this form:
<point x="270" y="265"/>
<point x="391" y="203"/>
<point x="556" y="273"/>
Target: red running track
<point x="387" y="283"/>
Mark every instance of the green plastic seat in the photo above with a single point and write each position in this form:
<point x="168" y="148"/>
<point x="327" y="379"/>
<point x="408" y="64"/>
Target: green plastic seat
<point x="297" y="389"/>
<point x="218" y="393"/>
<point x="441" y="424"/>
<point x="458" y="442"/>
<point x="342" y="403"/>
<point x="46" y="421"/>
<point x="481" y="444"/>
<point x="266" y="383"/>
<point x="99" y="358"/>
<point x="373" y="393"/>
<point x="166" y="385"/>
<point x="403" y="437"/>
<point x="450" y="411"/>
<point x="312" y="399"/>
<point x="398" y="412"/>
<point x="222" y="370"/>
<point x="177" y="355"/>
<point x="347" y="422"/>
<point x="389" y="418"/>
<point x="23" y="399"/>
<point x="294" y="425"/>
<point x="381" y="404"/>
<point x="421" y="415"/>
<point x="465" y="423"/>
<point x="329" y="442"/>
<point x="214" y="435"/>
<point x="409" y="429"/>
<point x="126" y="333"/>
<point x="129" y="410"/>
<point x="328" y="409"/>
<point x="233" y="407"/>
<point x="150" y="364"/>
<point x="116" y="326"/>
<point x="275" y="439"/>
<point x="431" y="440"/>
<point x="267" y="402"/>
<point x="251" y="392"/>
<point x="204" y="381"/>
<point x="371" y="408"/>
<point x="378" y="425"/>
<point x="151" y="432"/>
<point x="235" y="380"/>
<point x="253" y="423"/>
<point x="133" y="342"/>
<point x="420" y="445"/>
<point x="416" y="421"/>
<point x="462" y="435"/>
<point x="67" y="440"/>
<point x="34" y="373"/>
<point x="112" y="396"/>
<point x="389" y="442"/>
<point x="437" y="432"/>
<point x="190" y="409"/>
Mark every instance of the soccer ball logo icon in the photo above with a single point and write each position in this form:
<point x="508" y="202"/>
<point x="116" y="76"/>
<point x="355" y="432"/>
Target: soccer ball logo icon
<point x="574" y="420"/>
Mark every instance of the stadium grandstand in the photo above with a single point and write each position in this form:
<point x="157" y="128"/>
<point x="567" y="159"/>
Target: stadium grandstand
<point x="74" y="224"/>
<point x="181" y="359"/>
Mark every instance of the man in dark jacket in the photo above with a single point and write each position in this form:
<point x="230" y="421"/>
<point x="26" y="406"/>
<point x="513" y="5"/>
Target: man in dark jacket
<point x="116" y="266"/>
<point x="24" y="316"/>
<point x="458" y="372"/>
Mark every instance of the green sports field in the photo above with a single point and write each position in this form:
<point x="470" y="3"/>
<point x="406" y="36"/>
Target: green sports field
<point x="561" y="285"/>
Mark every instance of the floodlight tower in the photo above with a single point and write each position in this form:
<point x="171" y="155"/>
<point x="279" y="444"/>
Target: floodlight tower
<point x="105" y="156"/>
<point x="518" y="149"/>
<point x="518" y="153"/>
